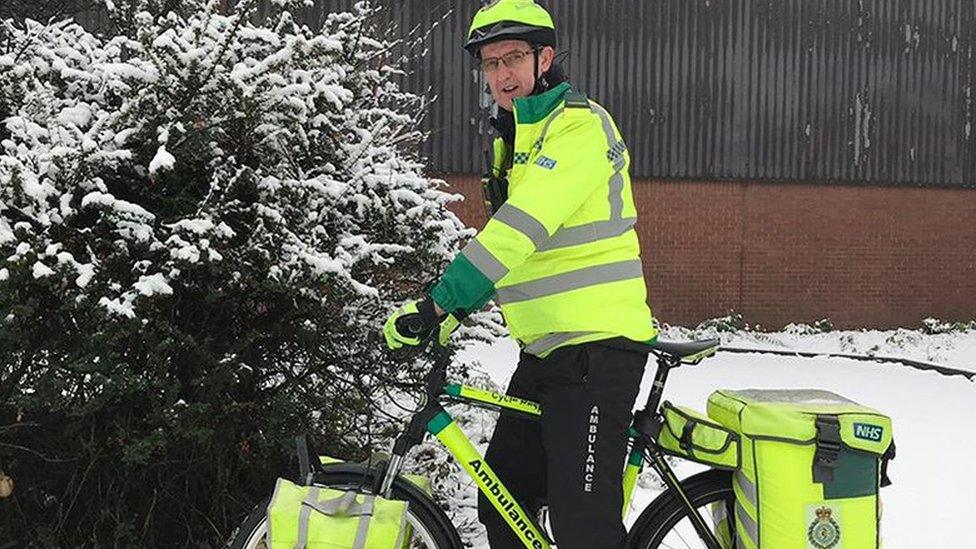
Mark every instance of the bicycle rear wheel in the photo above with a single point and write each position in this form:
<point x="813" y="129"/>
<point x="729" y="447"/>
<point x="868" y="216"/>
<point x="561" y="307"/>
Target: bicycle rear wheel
<point x="665" y="523"/>
<point x="430" y="526"/>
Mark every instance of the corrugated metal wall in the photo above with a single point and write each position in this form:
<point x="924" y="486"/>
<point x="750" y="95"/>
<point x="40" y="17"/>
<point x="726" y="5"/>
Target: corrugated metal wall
<point x="816" y="90"/>
<point x="874" y="91"/>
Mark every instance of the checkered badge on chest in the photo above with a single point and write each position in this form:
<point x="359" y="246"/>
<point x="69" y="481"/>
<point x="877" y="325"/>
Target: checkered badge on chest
<point x="824" y="529"/>
<point x="545" y="162"/>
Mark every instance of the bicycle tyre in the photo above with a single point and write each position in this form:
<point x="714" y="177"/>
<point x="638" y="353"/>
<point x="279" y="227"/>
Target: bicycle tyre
<point x="659" y="519"/>
<point x="423" y="513"/>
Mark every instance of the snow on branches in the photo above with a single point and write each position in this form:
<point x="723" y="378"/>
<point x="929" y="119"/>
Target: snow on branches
<point x="204" y="220"/>
<point x="204" y="138"/>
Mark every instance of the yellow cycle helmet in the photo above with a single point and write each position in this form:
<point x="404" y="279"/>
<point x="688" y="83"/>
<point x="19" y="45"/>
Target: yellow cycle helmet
<point x="510" y="20"/>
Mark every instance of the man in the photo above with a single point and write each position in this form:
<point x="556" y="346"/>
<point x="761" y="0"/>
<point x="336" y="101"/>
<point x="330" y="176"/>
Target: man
<point x="560" y="256"/>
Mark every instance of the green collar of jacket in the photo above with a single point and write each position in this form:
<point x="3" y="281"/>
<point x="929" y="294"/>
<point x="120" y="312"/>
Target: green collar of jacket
<point x="531" y="109"/>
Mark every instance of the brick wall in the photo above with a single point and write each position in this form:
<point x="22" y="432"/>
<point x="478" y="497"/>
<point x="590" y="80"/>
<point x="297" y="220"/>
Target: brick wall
<point x="876" y="257"/>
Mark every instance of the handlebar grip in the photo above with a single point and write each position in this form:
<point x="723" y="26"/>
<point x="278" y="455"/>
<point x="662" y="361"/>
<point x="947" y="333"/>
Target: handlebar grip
<point x="413" y="326"/>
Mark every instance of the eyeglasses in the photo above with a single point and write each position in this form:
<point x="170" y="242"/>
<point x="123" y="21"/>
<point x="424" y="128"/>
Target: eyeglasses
<point x="511" y="60"/>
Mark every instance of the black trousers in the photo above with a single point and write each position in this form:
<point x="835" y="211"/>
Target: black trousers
<point x="573" y="458"/>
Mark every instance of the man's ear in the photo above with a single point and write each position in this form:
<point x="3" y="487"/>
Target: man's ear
<point x="546" y="55"/>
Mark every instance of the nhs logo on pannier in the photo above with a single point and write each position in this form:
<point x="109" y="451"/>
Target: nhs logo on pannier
<point x="865" y="431"/>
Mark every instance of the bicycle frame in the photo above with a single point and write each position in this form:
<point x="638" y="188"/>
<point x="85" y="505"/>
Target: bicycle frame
<point x="434" y="419"/>
<point x="459" y="445"/>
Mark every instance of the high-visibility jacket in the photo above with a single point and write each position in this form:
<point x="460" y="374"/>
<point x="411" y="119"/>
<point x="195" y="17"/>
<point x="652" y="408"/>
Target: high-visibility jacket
<point x="560" y="256"/>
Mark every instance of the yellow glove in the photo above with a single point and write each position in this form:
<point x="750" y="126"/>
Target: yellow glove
<point x="414" y="321"/>
<point x="447" y="327"/>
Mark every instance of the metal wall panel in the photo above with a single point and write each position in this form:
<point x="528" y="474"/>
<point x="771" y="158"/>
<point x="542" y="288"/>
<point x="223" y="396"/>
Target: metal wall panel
<point x="870" y="91"/>
<point x="815" y="90"/>
<point x="867" y="91"/>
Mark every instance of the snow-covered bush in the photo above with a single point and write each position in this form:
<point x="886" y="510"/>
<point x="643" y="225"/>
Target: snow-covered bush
<point x="730" y="323"/>
<point x="203" y="222"/>
<point x="821" y="326"/>
<point x="933" y="326"/>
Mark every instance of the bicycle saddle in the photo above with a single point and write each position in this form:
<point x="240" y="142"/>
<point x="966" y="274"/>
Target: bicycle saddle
<point x="687" y="351"/>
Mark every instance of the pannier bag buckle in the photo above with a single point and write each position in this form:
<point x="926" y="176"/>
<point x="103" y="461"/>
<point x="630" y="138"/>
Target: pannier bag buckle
<point x="828" y="448"/>
<point x="888" y="456"/>
<point x="685" y="441"/>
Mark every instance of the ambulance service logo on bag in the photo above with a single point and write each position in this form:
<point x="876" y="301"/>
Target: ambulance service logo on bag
<point x="824" y="532"/>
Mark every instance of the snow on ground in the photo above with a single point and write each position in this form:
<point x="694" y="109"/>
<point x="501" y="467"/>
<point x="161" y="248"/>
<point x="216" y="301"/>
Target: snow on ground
<point x="956" y="350"/>
<point x="934" y="490"/>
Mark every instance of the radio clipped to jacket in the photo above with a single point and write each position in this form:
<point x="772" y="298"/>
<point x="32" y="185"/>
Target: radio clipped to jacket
<point x="495" y="191"/>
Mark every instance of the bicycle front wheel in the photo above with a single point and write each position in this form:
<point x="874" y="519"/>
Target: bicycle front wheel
<point x="665" y="523"/>
<point x="430" y="527"/>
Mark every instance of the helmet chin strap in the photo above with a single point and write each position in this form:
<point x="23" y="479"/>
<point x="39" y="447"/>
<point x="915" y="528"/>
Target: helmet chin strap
<point x="541" y="84"/>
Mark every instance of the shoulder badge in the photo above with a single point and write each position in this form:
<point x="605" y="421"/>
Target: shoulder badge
<point x="545" y="162"/>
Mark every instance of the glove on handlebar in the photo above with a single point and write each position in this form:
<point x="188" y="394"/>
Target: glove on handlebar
<point x="415" y="320"/>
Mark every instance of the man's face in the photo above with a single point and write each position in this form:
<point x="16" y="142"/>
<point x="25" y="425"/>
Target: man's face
<point x="508" y="82"/>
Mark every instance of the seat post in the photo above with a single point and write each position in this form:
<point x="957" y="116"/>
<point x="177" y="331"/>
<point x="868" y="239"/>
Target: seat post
<point x="664" y="365"/>
<point x="647" y="420"/>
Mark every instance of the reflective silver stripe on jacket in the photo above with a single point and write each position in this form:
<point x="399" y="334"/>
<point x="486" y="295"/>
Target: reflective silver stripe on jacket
<point x="572" y="280"/>
<point x="545" y="129"/>
<point x="614" y="145"/>
<point x="484" y="261"/>
<point x="551" y="341"/>
<point x="584" y="234"/>
<point x="522" y="222"/>
<point x="616" y="182"/>
<point x="616" y="195"/>
<point x="599" y="230"/>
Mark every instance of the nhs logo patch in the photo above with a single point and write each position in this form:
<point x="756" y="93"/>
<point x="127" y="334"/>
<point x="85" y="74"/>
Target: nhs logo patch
<point x="545" y="162"/>
<point x="865" y="431"/>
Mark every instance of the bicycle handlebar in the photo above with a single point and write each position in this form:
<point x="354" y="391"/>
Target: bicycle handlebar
<point x="411" y="326"/>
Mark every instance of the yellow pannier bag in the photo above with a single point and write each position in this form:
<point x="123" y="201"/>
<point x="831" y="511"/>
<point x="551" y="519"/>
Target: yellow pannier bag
<point x="692" y="435"/>
<point x="810" y="470"/>
<point x="315" y="517"/>
<point x="419" y="481"/>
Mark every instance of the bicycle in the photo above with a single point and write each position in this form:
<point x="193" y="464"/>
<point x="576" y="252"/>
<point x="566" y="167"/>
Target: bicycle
<point x="685" y="510"/>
